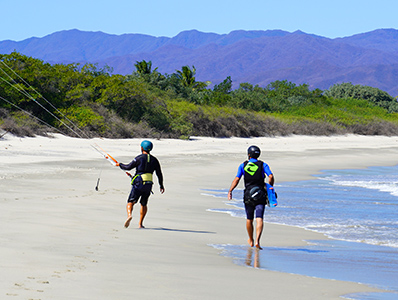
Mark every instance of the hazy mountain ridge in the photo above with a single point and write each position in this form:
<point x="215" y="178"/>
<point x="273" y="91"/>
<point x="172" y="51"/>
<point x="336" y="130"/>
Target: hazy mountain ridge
<point x="257" y="57"/>
<point x="380" y="39"/>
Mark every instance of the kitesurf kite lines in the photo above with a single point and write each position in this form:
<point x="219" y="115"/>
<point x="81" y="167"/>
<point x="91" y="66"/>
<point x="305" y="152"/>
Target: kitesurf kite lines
<point x="19" y="87"/>
<point x="31" y="115"/>
<point x="28" y="95"/>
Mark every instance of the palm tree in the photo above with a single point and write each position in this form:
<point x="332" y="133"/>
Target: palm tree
<point x="187" y="78"/>
<point x="143" y="67"/>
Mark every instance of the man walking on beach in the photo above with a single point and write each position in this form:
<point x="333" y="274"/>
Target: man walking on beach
<point x="141" y="184"/>
<point x="254" y="172"/>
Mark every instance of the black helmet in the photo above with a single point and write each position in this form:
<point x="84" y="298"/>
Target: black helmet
<point x="254" y="151"/>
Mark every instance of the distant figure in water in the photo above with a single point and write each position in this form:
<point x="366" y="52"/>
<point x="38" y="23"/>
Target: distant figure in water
<point x="141" y="183"/>
<point x="255" y="197"/>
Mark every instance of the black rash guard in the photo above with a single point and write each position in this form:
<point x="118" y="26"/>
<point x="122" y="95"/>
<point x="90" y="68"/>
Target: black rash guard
<point x="145" y="163"/>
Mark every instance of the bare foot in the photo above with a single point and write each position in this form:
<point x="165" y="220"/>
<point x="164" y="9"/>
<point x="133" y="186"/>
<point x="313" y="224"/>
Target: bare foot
<point x="127" y="223"/>
<point x="141" y="226"/>
<point x="258" y="247"/>
<point x="251" y="242"/>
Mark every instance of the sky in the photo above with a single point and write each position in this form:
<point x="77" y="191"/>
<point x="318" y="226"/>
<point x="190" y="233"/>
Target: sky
<point x="22" y="19"/>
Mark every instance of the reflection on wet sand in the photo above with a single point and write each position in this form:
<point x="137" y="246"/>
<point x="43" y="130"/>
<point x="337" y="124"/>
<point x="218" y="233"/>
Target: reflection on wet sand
<point x="253" y="261"/>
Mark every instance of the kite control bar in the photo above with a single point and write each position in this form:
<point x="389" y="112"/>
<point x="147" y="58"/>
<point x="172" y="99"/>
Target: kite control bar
<point x="109" y="158"/>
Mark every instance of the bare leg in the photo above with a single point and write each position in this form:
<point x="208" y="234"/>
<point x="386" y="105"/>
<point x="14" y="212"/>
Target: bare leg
<point x="249" y="227"/>
<point x="129" y="209"/>
<point x="259" y="231"/>
<point x="144" y="210"/>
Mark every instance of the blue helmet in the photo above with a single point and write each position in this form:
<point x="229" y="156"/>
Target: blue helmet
<point x="146" y="145"/>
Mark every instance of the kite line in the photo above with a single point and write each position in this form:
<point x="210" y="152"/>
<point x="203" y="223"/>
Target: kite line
<point x="71" y="125"/>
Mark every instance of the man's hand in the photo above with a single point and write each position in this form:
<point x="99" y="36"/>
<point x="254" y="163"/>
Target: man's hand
<point x="234" y="183"/>
<point x="162" y="190"/>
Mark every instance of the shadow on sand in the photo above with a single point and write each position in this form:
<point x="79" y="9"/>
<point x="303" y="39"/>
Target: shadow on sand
<point x="180" y="230"/>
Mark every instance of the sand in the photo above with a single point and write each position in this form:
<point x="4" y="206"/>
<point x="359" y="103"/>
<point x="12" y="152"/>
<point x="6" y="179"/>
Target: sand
<point x="61" y="239"/>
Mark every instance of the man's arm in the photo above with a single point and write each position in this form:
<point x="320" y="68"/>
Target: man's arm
<point x="128" y="167"/>
<point x="159" y="174"/>
<point x="233" y="186"/>
<point x="267" y="172"/>
<point x="271" y="179"/>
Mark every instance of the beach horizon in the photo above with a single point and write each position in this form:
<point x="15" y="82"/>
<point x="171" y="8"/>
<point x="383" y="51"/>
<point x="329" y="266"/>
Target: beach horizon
<point x="62" y="239"/>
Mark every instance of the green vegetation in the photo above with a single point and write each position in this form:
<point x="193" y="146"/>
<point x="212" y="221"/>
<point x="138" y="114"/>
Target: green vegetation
<point x="148" y="103"/>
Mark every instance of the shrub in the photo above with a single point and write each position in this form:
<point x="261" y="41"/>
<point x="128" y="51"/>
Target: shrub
<point x="375" y="128"/>
<point x="21" y="124"/>
<point x="370" y="94"/>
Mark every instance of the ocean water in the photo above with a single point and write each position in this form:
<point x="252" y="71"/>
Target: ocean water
<point x="357" y="209"/>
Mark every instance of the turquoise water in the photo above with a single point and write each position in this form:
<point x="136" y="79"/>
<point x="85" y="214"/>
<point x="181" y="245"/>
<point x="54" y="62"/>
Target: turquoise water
<point x="357" y="209"/>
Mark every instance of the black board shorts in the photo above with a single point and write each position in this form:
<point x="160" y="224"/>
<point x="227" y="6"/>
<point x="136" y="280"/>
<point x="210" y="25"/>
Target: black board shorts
<point x="141" y="192"/>
<point x="252" y="210"/>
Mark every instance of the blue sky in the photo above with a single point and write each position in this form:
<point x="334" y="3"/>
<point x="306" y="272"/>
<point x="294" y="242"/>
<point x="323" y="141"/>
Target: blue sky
<point x="21" y="19"/>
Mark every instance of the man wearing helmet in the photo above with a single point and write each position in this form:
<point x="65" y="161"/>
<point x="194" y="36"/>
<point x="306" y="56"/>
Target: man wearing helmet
<point x="141" y="184"/>
<point x="254" y="172"/>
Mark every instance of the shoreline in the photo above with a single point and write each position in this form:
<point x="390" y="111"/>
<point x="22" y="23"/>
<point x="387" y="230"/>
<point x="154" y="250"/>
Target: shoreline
<point x="68" y="233"/>
<point x="345" y="256"/>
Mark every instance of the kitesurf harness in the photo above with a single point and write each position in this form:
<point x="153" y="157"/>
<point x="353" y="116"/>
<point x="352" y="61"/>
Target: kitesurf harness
<point x="254" y="183"/>
<point x="145" y="175"/>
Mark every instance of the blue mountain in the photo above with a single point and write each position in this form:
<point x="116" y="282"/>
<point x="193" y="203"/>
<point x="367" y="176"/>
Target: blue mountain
<point x="257" y="57"/>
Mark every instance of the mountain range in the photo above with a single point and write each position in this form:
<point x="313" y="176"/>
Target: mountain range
<point x="257" y="57"/>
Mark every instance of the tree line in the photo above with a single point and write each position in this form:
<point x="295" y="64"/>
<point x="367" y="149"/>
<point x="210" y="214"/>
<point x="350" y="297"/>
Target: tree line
<point x="149" y="103"/>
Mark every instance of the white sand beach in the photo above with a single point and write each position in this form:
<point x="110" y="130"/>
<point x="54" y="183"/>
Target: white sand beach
<point x="61" y="239"/>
